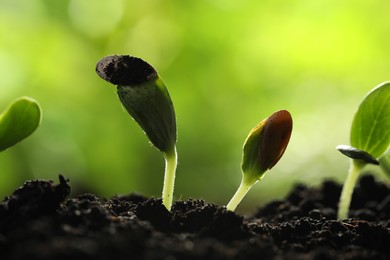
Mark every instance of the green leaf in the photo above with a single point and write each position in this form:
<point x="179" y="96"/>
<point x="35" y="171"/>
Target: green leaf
<point x="370" y="130"/>
<point x="18" y="121"/>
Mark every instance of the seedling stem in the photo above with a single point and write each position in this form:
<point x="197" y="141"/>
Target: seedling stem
<point x="169" y="177"/>
<point x="346" y="194"/>
<point x="246" y="184"/>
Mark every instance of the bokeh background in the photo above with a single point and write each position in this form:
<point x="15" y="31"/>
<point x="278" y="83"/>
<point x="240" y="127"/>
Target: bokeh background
<point x="227" y="64"/>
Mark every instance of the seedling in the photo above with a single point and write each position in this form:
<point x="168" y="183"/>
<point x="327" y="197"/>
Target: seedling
<point x="18" y="121"/>
<point x="146" y="99"/>
<point x="262" y="149"/>
<point x="370" y="140"/>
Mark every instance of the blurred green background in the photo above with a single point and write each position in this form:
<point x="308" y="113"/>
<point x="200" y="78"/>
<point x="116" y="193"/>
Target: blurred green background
<point x="227" y="65"/>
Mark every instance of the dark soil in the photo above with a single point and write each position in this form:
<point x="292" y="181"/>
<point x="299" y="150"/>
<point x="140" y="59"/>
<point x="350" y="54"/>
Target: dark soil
<point x="38" y="222"/>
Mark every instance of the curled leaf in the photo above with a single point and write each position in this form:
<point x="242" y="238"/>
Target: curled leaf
<point x="144" y="95"/>
<point x="18" y="121"/>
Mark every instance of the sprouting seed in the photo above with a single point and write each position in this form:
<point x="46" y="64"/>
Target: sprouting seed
<point x="147" y="100"/>
<point x="262" y="149"/>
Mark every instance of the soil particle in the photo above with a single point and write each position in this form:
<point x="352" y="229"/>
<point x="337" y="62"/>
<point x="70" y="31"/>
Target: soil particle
<point x="38" y="222"/>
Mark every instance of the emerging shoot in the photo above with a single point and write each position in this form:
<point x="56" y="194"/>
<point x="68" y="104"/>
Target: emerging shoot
<point x="18" y="121"/>
<point x="146" y="99"/>
<point x="370" y="139"/>
<point x="262" y="149"/>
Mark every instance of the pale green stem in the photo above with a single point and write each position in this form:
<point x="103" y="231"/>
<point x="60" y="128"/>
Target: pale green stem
<point x="169" y="177"/>
<point x="346" y="194"/>
<point x="245" y="185"/>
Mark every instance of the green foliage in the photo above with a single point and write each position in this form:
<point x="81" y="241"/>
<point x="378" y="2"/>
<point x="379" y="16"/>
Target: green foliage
<point x="263" y="148"/>
<point x="370" y="130"/>
<point x="18" y="121"/>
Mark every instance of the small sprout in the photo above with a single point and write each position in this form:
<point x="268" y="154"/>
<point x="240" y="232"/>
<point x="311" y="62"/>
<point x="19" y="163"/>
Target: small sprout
<point x="146" y="99"/>
<point x="18" y="121"/>
<point x="262" y="149"/>
<point x="370" y="139"/>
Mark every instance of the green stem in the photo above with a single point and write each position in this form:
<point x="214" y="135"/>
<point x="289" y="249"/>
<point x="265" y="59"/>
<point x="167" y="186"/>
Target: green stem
<point x="169" y="177"/>
<point x="245" y="185"/>
<point x="346" y="194"/>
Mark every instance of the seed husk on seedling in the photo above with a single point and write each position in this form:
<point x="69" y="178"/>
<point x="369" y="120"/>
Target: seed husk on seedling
<point x="146" y="98"/>
<point x="262" y="149"/>
<point x="370" y="140"/>
<point x="19" y="120"/>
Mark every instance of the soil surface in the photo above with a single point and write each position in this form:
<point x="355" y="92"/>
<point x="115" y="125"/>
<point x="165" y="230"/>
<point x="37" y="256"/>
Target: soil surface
<point x="38" y="222"/>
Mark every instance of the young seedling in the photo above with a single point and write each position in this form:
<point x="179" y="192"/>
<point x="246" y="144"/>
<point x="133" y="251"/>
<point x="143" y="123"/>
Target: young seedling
<point x="146" y="99"/>
<point x="370" y="140"/>
<point x="262" y="149"/>
<point x="18" y="121"/>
